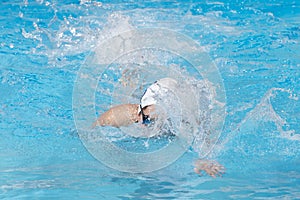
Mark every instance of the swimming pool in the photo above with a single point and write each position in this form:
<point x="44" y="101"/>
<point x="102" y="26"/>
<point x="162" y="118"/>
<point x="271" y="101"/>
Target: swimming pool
<point x="255" y="46"/>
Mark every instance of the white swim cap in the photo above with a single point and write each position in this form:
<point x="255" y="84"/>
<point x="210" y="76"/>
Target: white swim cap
<point x="157" y="89"/>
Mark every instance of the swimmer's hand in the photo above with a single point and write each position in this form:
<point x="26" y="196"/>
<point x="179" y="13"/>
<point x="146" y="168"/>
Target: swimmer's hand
<point x="212" y="168"/>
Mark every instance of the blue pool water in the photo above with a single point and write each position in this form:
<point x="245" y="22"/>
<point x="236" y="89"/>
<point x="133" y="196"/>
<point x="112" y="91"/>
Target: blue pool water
<point x="255" y="46"/>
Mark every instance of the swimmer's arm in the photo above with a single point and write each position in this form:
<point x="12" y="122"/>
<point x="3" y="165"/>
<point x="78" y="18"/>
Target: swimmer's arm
<point x="120" y="115"/>
<point x="212" y="168"/>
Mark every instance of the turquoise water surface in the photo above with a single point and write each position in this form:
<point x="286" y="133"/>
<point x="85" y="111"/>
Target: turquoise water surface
<point x="255" y="46"/>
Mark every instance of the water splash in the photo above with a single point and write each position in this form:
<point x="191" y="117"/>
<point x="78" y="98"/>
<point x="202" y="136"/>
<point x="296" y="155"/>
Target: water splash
<point x="265" y="112"/>
<point x="264" y="125"/>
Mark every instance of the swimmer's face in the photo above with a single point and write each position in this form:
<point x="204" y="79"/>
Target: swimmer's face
<point x="147" y="115"/>
<point x="149" y="110"/>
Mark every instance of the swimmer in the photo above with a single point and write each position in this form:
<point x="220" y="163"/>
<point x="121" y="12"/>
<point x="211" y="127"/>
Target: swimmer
<point x="127" y="114"/>
<point x="146" y="113"/>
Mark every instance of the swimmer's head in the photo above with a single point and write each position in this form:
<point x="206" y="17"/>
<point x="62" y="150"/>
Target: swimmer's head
<point x="155" y="91"/>
<point x="148" y="106"/>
